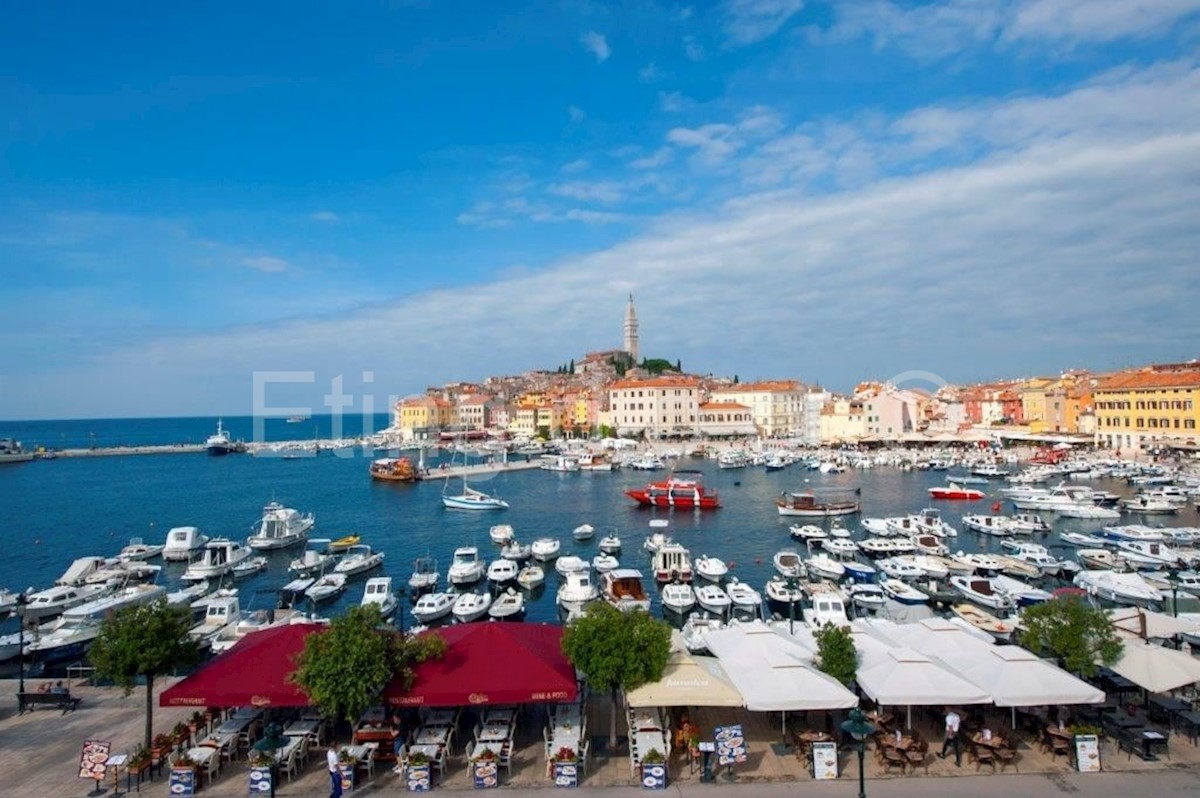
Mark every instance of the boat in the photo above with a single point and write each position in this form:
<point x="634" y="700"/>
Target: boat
<point x="867" y="596"/>
<point x="672" y="563"/>
<point x="223" y="611"/>
<point x="295" y="592"/>
<point x="1150" y="552"/>
<point x="217" y="558"/>
<point x="249" y="567"/>
<point x="565" y="565"/>
<point x="1028" y="523"/>
<point x="683" y="490"/>
<point x="471" y="499"/>
<point x="72" y="633"/>
<point x="509" y="605"/>
<point x="433" y="606"/>
<point x="501" y="534"/>
<point x="678" y="597"/>
<point x="280" y="528"/>
<point x="984" y="621"/>
<point x="655" y="541"/>
<point x="930" y="544"/>
<point x="842" y="548"/>
<point x="998" y="525"/>
<point x="343" y="543"/>
<point x="712" y="598"/>
<point x="1121" y="588"/>
<point x="11" y="451"/>
<point x="393" y="469"/>
<point x="326" y="587"/>
<point x="296" y="419"/>
<point x="605" y="562"/>
<point x="517" y="552"/>
<point x="823" y="566"/>
<point x="358" y="560"/>
<point x="900" y="567"/>
<point x="623" y="589"/>
<point x="467" y="568"/>
<point x="903" y="593"/>
<point x="531" y="576"/>
<point x="712" y="568"/>
<point x="982" y="591"/>
<point x="545" y="549"/>
<point x="696" y="628"/>
<point x="1020" y="593"/>
<point x="595" y="462"/>
<point x="982" y="563"/>
<point x="377" y="592"/>
<point x="315" y="558"/>
<point x="139" y="549"/>
<point x="805" y="504"/>
<point x="1149" y="505"/>
<point x="930" y="566"/>
<point x="424" y="576"/>
<point x="183" y="542"/>
<point x="731" y="458"/>
<point x="788" y="564"/>
<point x="1080" y="540"/>
<point x="647" y="461"/>
<point x="955" y="491"/>
<point x="744" y="600"/>
<point x="257" y="621"/>
<point x="610" y="544"/>
<point x="502" y="571"/>
<point x="930" y="521"/>
<point x="471" y="606"/>
<point x="219" y="443"/>
<point x="827" y="607"/>
<point x="562" y="463"/>
<point x="807" y="532"/>
<point x="860" y="571"/>
<point x="782" y="590"/>
<point x="583" y="532"/>
<point x="577" y="591"/>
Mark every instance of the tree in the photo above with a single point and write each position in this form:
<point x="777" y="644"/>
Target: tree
<point x="836" y="655"/>
<point x="1073" y="632"/>
<point x="571" y="368"/>
<point x="679" y="365"/>
<point x="617" y="650"/>
<point x="144" y="641"/>
<point x="344" y="667"/>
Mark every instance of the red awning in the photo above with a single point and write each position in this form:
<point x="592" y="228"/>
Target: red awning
<point x="491" y="663"/>
<point x="252" y="673"/>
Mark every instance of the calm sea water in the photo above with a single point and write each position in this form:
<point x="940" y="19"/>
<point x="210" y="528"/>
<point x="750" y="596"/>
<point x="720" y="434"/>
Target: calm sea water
<point x="57" y="510"/>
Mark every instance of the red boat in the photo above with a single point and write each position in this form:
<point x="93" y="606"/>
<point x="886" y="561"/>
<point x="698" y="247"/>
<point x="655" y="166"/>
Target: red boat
<point x="683" y="490"/>
<point x="953" y="491"/>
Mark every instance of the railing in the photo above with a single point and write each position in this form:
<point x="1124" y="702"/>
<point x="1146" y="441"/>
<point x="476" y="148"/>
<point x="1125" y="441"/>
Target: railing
<point x="78" y="671"/>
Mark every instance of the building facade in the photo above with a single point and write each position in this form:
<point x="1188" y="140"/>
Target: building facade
<point x="657" y="406"/>
<point x="776" y="406"/>
<point x="1144" y="408"/>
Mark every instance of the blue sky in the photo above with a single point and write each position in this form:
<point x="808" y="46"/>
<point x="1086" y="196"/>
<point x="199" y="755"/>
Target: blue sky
<point x="830" y="190"/>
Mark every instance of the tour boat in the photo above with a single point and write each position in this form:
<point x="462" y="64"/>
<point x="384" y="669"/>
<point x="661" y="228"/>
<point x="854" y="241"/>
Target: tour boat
<point x="805" y="504"/>
<point x="393" y="469"/>
<point x="424" y="576"/>
<point x="622" y="588"/>
<point x="280" y="528"/>
<point x="377" y="592"/>
<point x="955" y="491"/>
<point x="672" y="563"/>
<point x="678" y="597"/>
<point x="683" y="490"/>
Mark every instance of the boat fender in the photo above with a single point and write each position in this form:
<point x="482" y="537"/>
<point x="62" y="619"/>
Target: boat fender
<point x="996" y="507"/>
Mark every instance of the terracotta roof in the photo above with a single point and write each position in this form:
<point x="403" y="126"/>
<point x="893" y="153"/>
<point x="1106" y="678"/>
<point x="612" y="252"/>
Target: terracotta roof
<point x="722" y="406"/>
<point x="656" y="382"/>
<point x="760" y="387"/>
<point x="1148" y="380"/>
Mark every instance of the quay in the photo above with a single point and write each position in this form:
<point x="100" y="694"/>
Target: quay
<point x="39" y="754"/>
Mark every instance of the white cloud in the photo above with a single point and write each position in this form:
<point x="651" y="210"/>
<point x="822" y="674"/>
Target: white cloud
<point x="713" y="143"/>
<point x="601" y="191"/>
<point x="750" y="21"/>
<point x="1096" y="20"/>
<point x="652" y="73"/>
<point x="265" y="263"/>
<point x="576" y="166"/>
<point x="693" y="49"/>
<point x="594" y="217"/>
<point x="576" y="114"/>
<point x="597" y="45"/>
<point x="672" y="101"/>
<point x="661" y="157"/>
<point x="328" y="217"/>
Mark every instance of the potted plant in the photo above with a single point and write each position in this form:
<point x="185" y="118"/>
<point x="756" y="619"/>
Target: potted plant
<point x="160" y="746"/>
<point x="418" y="772"/>
<point x="139" y="761"/>
<point x="654" y="770"/>
<point x="197" y="722"/>
<point x="346" y="767"/>
<point x="180" y="733"/>
<point x="565" y="767"/>
<point x="485" y="770"/>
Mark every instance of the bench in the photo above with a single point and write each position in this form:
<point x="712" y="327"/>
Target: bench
<point x="30" y="701"/>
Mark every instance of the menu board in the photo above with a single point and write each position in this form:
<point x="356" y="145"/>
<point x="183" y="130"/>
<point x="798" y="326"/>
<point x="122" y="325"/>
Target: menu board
<point x="93" y="761"/>
<point x="182" y="782"/>
<point x="731" y="745"/>
<point x="1087" y="753"/>
<point x="825" y="761"/>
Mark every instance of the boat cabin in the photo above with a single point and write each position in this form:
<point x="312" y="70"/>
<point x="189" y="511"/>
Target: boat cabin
<point x="672" y="563"/>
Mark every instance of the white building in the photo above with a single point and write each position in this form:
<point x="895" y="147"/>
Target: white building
<point x="776" y="406"/>
<point x="658" y="406"/>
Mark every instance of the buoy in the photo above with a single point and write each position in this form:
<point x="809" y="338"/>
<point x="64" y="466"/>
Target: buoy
<point x="996" y="507"/>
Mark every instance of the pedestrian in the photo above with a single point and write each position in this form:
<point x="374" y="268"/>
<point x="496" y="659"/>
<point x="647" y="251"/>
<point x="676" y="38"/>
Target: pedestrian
<point x="398" y="739"/>
<point x="335" y="778"/>
<point x="952" y="740"/>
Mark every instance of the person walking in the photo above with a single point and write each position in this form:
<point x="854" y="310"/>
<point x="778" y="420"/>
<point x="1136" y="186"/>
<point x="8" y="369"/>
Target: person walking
<point x="335" y="778"/>
<point x="953" y="739"/>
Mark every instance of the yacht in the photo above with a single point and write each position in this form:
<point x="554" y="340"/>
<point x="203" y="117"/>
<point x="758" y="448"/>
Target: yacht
<point x="467" y="568"/>
<point x="358" y="559"/>
<point x="509" y="605"/>
<point x="280" y="528"/>
<point x="711" y="568"/>
<point x="217" y="558"/>
<point x="433" y="606"/>
<point x="471" y="606"/>
<point x="424" y="576"/>
<point x="377" y="592"/>
<point x="502" y="571"/>
<point x="72" y="634"/>
<point x="183" y="542"/>
<point x="577" y="591"/>
<point x="220" y="443"/>
<point x="623" y="589"/>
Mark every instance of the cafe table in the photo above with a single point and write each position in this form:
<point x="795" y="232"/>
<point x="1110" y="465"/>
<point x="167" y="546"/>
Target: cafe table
<point x="302" y="728"/>
<point x="494" y="734"/>
<point x="441" y="716"/>
<point x="567" y="714"/>
<point x="436" y="735"/>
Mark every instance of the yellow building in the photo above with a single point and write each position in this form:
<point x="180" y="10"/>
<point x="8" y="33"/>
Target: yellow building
<point x="419" y="415"/>
<point x="842" y="420"/>
<point x="1033" y="402"/>
<point x="776" y="406"/>
<point x="1148" y="407"/>
<point x="533" y="418"/>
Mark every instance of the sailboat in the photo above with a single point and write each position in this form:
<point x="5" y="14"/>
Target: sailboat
<point x="471" y="499"/>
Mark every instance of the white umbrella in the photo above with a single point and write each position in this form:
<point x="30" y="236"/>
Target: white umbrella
<point x="1156" y="668"/>
<point x="1148" y="625"/>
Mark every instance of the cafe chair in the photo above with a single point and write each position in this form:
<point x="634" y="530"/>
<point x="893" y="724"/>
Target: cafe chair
<point x="918" y="755"/>
<point x="894" y="757"/>
<point x="1006" y="756"/>
<point x="291" y="766"/>
<point x="983" y="756"/>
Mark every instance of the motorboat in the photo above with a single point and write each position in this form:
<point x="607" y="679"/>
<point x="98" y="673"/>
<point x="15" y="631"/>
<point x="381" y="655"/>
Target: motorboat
<point x="732" y="458"/>
<point x="713" y="569"/>
<point x="837" y="529"/>
<point x="931" y="566"/>
<point x="1150" y="553"/>
<point x="1101" y="559"/>
<point x="930" y="544"/>
<point x="183" y="542"/>
<point x="824" y="566"/>
<point x="903" y="593"/>
<point x="280" y="528"/>
<point x="1121" y="588"/>
<point x="842" y="548"/>
<point x="501" y="534"/>
<point x="876" y="526"/>
<point x="545" y="549"/>
<point x="343" y="543"/>
<point x="248" y="567"/>
<point x="788" y="564"/>
<point x="1028" y="523"/>
<point x="326" y="587"/>
<point x="745" y="600"/>
<point x="220" y="442"/>
<point x="955" y="491"/>
<point x="509" y="605"/>
<point x="1037" y="556"/>
<point x="998" y="525"/>
<point x="678" y="597"/>
<point x="138" y="549"/>
<point x="981" y="590"/>
<point x="471" y="606"/>
<point x="424" y="576"/>
<point x="377" y="592"/>
<point x="647" y="461"/>
<point x="672" y="563"/>
<point x="72" y="634"/>
<point x="868" y="596"/>
<point x="930" y="521"/>
<point x="393" y="469"/>
<point x="315" y="558"/>
<point x="900" y="568"/>
<point x="989" y="470"/>
<point x="294" y="593"/>
<point x="577" y="591"/>
<point x="1138" y="532"/>
<point x="433" y="606"/>
<point x="1149" y="505"/>
<point x="467" y="568"/>
<point x="981" y="562"/>
<point x="531" y="576"/>
<point x="569" y="563"/>
<point x="777" y="589"/>
<point x="623" y="589"/>
<point x="859" y="571"/>
<point x="604" y="563"/>
<point x="502" y="571"/>
<point x="515" y="551"/>
<point x="217" y="558"/>
<point x="562" y="463"/>
<point x="11" y="451"/>
<point x="712" y="598"/>
<point x="257" y="621"/>
<point x="358" y="560"/>
<point x="807" y="532"/>
<point x="610" y="544"/>
<point x="684" y="490"/>
<point x="695" y="630"/>
<point x="583" y="532"/>
<point x="984" y="621"/>
<point x="1080" y="540"/>
<point x="806" y="504"/>
<point x="1020" y="593"/>
<point x="471" y="499"/>
<point x="826" y="607"/>
<point x="222" y="612"/>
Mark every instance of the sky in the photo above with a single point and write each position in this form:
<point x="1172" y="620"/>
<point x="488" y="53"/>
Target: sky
<point x="239" y="207"/>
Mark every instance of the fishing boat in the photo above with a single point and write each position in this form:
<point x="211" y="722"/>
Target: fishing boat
<point x="280" y="527"/>
<point x="433" y="606"/>
<point x="806" y="504"/>
<point x="683" y="490"/>
<point x="377" y="592"/>
<point x="502" y="571"/>
<point x="509" y="605"/>
<point x="678" y="597"/>
<point x="219" y="443"/>
<point x="713" y="569"/>
<point x="472" y="499"/>
<point x="358" y="560"/>
<point x="471" y="606"/>
<point x="424" y="576"/>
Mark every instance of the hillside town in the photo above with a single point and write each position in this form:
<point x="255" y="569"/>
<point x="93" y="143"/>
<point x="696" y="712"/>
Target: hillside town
<point x="613" y="393"/>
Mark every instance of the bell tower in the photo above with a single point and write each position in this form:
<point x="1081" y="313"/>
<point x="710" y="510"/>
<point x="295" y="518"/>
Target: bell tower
<point x="631" y="332"/>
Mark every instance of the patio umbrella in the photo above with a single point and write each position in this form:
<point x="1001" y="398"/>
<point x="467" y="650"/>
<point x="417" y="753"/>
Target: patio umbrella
<point x="1149" y="625"/>
<point x="1155" y="668"/>
<point x="688" y="681"/>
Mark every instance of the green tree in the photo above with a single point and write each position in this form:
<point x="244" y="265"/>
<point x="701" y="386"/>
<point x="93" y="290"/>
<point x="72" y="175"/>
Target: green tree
<point x="571" y="367"/>
<point x="836" y="655"/>
<point x="1073" y="632"/>
<point x="144" y="642"/>
<point x="343" y="668"/>
<point x="679" y="365"/>
<point x="617" y="650"/>
<point x="656" y="365"/>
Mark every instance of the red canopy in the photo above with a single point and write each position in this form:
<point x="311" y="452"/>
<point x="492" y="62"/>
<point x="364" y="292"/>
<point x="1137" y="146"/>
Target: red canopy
<point x="491" y="663"/>
<point x="252" y="673"/>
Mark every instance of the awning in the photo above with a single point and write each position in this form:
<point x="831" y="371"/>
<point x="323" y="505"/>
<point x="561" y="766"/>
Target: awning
<point x="491" y="663"/>
<point x="897" y="676"/>
<point x="253" y="673"/>
<point x="1156" y="668"/>
<point x="688" y="681"/>
<point x="1015" y="677"/>
<point x="1149" y="625"/>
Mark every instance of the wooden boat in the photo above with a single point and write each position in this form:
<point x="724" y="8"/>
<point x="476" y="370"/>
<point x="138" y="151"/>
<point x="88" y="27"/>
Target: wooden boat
<point x="805" y="504"/>
<point x="394" y="469"/>
<point x="983" y="621"/>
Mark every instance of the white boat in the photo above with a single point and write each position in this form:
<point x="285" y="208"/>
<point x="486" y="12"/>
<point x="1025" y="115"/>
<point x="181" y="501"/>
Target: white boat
<point x="315" y="558"/>
<point x="358" y="559"/>
<point x="982" y="591"/>
<point x="876" y="526"/>
<point x="610" y="544"/>
<point x="807" y="532"/>
<point x="826" y="608"/>
<point x="903" y="593"/>
<point x="257" y="621"/>
<point x="1149" y="505"/>
<point x="222" y="611"/>
<point x="218" y="558"/>
<point x="326" y="587"/>
<point x="517" y="552"/>
<point x="998" y="525"/>
<point x="531" y="576"/>
<point x="788" y="564"/>
<point x="471" y="606"/>
<point x="712" y="598"/>
<point x="471" y="499"/>
<point x="696" y="628"/>
<point x="502" y="571"/>
<point x="71" y="635"/>
<point x="433" y="606"/>
<point x="842" y="548"/>
<point x="1150" y="553"/>
<point x="569" y="563"/>
<point x="604" y="563"/>
<point x="544" y="549"/>
<point x="745" y="600"/>
<point x="220" y="443"/>
<point x="982" y="563"/>
<point x="837" y="529"/>
<point x="293" y="594"/>
<point x="824" y="566"/>
<point x="623" y="589"/>
<point x="577" y="591"/>
<point x="866" y="596"/>
<point x="280" y="528"/>
<point x="508" y="605"/>
<point x="248" y="567"/>
<point x="1020" y="593"/>
<point x="900" y="568"/>
<point x="1138" y="532"/>
<point x="1122" y="588"/>
<point x="931" y="566"/>
<point x="930" y="521"/>
<point x="672" y="563"/>
<point x="424" y="576"/>
<point x="139" y="549"/>
<point x="713" y="569"/>
<point x="1026" y="523"/>
<point x="377" y="592"/>
<point x="984" y="621"/>
<point x="731" y="458"/>
<point x="777" y="590"/>
<point x="678" y="597"/>
<point x="467" y="568"/>
<point x="562" y="463"/>
<point x="501" y="533"/>
<point x="583" y="532"/>
<point x="182" y="543"/>
<point x="1080" y="540"/>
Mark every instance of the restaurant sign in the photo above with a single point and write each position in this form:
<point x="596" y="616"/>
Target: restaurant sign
<point x="731" y="745"/>
<point x="1087" y="753"/>
<point x="825" y="764"/>
<point x="93" y="760"/>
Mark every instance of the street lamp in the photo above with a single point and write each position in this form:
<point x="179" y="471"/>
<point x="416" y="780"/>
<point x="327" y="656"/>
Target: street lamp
<point x="1173" y="581"/>
<point x="22" y="602"/>
<point x="859" y="728"/>
<point x="791" y="588"/>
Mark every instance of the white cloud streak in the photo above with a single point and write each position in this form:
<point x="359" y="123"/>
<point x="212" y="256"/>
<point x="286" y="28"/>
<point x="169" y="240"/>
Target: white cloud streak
<point x="750" y="21"/>
<point x="597" y="45"/>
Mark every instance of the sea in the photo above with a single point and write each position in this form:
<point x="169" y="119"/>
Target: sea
<point x="59" y="509"/>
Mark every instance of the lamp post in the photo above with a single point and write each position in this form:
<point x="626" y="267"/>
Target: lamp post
<point x="22" y="602"/>
<point x="1173" y="581"/>
<point x="859" y="728"/>
<point x="791" y="587"/>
